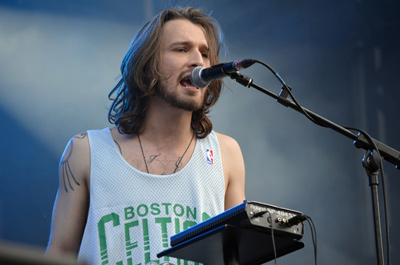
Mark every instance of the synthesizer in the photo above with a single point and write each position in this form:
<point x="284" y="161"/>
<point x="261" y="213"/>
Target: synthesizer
<point x="281" y="222"/>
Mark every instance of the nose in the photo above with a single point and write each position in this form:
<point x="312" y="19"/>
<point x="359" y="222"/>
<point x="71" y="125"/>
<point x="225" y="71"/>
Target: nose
<point x="197" y="59"/>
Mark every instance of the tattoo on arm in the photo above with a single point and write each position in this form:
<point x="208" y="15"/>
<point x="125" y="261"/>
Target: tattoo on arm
<point x="81" y="136"/>
<point x="65" y="168"/>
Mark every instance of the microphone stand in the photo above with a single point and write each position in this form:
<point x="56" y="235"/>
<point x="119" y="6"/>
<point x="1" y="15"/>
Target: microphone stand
<point x="371" y="161"/>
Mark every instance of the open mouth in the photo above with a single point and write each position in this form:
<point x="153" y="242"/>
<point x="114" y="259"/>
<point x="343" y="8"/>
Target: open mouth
<point x="186" y="82"/>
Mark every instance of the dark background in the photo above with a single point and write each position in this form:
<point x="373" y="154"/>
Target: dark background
<point x="59" y="60"/>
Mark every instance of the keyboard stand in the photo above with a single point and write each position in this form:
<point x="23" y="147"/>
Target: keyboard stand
<point x="232" y="245"/>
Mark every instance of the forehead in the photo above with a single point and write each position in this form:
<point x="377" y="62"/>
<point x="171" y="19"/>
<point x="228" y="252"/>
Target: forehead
<point x="182" y="30"/>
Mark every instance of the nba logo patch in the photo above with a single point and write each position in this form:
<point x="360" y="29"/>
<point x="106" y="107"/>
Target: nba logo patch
<point x="210" y="156"/>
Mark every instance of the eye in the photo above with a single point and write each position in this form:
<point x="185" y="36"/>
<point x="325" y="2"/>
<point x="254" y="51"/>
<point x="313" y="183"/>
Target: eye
<point x="180" y="49"/>
<point x="205" y="55"/>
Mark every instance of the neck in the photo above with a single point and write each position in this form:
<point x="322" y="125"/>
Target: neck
<point x="166" y="125"/>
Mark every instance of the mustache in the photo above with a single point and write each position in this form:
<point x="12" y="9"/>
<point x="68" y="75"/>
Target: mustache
<point x="184" y="74"/>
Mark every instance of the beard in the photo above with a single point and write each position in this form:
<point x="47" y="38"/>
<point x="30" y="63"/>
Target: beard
<point x="177" y="101"/>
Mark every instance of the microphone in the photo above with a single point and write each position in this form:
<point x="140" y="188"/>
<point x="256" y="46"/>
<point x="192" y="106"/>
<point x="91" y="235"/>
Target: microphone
<point x="201" y="76"/>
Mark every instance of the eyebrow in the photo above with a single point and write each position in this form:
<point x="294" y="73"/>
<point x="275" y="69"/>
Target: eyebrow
<point x="187" y="43"/>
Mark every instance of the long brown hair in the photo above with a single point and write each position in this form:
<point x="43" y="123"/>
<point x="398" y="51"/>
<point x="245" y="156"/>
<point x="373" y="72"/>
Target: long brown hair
<point x="140" y="74"/>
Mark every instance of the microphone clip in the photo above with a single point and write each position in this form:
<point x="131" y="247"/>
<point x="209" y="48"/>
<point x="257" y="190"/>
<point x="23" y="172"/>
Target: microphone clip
<point x="241" y="79"/>
<point x="283" y="96"/>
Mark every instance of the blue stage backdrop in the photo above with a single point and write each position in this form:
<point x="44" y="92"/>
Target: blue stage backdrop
<point x="60" y="59"/>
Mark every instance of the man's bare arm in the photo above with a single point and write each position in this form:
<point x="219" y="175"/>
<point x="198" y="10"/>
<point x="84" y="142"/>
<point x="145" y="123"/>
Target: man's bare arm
<point x="234" y="171"/>
<point x="72" y="201"/>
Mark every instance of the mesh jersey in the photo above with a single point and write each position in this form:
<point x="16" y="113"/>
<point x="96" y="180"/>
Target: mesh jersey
<point x="133" y="214"/>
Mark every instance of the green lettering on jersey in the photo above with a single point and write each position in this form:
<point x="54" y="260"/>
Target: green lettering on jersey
<point x="138" y="218"/>
<point x="142" y="210"/>
<point x="146" y="242"/>
<point x="166" y="205"/>
<point x="204" y="217"/>
<point x="189" y="213"/>
<point x="129" y="213"/>
<point x="178" y="210"/>
<point x="155" y="209"/>
<point x="163" y="221"/>
<point x="130" y="245"/>
<point x="114" y="218"/>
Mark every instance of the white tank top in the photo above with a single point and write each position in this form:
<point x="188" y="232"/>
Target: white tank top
<point x="132" y="214"/>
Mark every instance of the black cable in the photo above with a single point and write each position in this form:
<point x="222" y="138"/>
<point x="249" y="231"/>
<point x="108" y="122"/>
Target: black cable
<point x="313" y="237"/>
<point x="261" y="213"/>
<point x="290" y="93"/>
<point x="273" y="238"/>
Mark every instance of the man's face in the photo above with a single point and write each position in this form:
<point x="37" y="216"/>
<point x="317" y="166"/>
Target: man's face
<point x="183" y="47"/>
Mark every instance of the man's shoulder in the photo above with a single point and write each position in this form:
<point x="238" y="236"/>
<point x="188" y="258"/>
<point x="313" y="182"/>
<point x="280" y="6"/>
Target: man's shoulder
<point x="225" y="139"/>
<point x="79" y="143"/>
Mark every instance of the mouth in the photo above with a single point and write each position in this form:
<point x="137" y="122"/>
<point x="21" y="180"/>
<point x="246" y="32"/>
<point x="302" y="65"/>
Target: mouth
<point x="185" y="82"/>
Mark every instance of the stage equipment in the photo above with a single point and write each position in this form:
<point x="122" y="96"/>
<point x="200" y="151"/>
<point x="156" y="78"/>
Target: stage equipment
<point x="249" y="233"/>
<point x="376" y="151"/>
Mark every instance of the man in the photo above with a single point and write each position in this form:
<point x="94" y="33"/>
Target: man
<point x="124" y="191"/>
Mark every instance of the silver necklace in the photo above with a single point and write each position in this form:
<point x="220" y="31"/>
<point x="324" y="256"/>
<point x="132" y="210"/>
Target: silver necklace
<point x="177" y="163"/>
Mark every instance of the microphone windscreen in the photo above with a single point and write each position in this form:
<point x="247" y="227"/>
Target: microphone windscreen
<point x="195" y="78"/>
